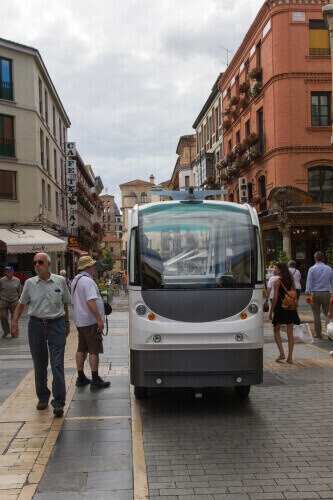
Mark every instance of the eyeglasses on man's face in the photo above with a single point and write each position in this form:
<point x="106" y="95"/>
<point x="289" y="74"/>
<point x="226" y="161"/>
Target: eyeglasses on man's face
<point x="40" y="262"/>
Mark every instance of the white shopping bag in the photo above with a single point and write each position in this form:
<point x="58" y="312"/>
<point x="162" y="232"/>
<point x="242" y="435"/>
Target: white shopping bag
<point x="329" y="330"/>
<point x="302" y="333"/>
<point x="298" y="333"/>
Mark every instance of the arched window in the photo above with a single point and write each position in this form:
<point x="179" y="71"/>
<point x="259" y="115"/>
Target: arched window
<point x="143" y="197"/>
<point x="320" y="181"/>
<point x="231" y="197"/>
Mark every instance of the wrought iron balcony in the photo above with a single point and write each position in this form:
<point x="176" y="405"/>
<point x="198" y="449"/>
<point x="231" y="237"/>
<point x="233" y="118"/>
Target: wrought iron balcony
<point x="7" y="147"/>
<point x="6" y="90"/>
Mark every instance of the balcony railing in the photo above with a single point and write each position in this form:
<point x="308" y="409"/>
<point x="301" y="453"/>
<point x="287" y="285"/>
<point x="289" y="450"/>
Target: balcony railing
<point x="319" y="52"/>
<point x="6" y="90"/>
<point x="7" y="147"/>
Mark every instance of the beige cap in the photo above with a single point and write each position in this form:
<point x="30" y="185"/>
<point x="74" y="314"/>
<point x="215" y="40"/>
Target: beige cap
<point x="85" y="262"/>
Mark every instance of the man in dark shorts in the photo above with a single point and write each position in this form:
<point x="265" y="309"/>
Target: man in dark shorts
<point x="89" y="320"/>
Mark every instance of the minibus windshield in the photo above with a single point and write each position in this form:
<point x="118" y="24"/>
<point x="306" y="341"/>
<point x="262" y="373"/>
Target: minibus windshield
<point x="196" y="245"/>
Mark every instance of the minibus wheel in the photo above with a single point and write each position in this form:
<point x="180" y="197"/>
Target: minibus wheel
<point x="140" y="392"/>
<point x="242" y="391"/>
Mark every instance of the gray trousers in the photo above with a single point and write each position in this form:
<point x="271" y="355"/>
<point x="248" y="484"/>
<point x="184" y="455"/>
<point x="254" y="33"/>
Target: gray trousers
<point x="45" y="338"/>
<point x="5" y="307"/>
<point x="320" y="300"/>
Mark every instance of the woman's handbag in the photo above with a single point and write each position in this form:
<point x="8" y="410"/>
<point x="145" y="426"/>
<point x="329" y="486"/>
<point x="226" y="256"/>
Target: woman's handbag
<point x="265" y="307"/>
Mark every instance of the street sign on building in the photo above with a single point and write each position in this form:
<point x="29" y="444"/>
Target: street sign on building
<point x="243" y="190"/>
<point x="71" y="173"/>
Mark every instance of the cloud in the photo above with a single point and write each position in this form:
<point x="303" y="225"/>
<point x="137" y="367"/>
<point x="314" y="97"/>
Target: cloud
<point x="132" y="74"/>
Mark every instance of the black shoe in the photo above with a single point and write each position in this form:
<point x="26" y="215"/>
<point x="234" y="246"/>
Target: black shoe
<point x="42" y="404"/>
<point x="99" y="384"/>
<point x="58" y="411"/>
<point x="82" y="381"/>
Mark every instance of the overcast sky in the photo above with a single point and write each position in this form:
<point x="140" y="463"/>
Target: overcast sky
<point x="133" y="75"/>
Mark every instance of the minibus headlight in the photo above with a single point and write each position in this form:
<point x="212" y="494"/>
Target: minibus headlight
<point x="141" y="310"/>
<point x="253" y="308"/>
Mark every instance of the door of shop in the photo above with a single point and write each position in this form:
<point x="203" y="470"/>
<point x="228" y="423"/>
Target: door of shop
<point x="305" y="241"/>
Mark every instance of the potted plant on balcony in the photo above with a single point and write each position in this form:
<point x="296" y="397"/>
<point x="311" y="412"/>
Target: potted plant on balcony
<point x="226" y="112"/>
<point x="255" y="89"/>
<point x="231" y="156"/>
<point x="223" y="163"/>
<point x="243" y="103"/>
<point x="251" y="139"/>
<point x="234" y="101"/>
<point x="244" y="88"/>
<point x="240" y="149"/>
<point x="250" y="154"/>
<point x="226" y="125"/>
<point x="254" y="74"/>
<point x="210" y="182"/>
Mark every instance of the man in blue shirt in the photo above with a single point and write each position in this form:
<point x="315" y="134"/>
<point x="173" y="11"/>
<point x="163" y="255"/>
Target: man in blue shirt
<point x="319" y="283"/>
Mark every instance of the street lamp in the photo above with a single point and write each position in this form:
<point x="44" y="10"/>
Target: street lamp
<point x="328" y="18"/>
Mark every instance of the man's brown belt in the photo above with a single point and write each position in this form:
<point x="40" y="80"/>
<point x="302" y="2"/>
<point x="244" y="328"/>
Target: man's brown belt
<point x="47" y="320"/>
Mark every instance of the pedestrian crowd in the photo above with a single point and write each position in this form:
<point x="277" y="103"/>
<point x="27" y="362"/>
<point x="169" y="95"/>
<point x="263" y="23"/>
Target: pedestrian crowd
<point x="48" y="296"/>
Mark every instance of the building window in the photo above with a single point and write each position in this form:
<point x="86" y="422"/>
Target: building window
<point x="103" y="218"/>
<point x="62" y="172"/>
<point x="260" y="121"/>
<point x="64" y="136"/>
<point x="109" y="218"/>
<point x="7" y="143"/>
<point x="320" y="109"/>
<point x="237" y="84"/>
<point x="258" y="53"/>
<point x="54" y="121"/>
<point x="238" y="137"/>
<point x="55" y="164"/>
<point x="321" y="184"/>
<point x="247" y="128"/>
<point x="205" y="136"/>
<point x="318" y="38"/>
<point x="6" y="84"/>
<point x="46" y="104"/>
<point x="60" y="133"/>
<point x="40" y="92"/>
<point x="247" y="69"/>
<point x="143" y="198"/>
<point x="57" y="202"/>
<point x="109" y="227"/>
<point x="216" y="124"/>
<point x="41" y="140"/>
<point x="231" y="197"/>
<point x="49" y="196"/>
<point x="43" y="194"/>
<point x="187" y="181"/>
<point x="229" y="145"/>
<point x="262" y="193"/>
<point x="210" y="132"/>
<point x="7" y="185"/>
<point x="47" y="152"/>
<point x="250" y="190"/>
<point x="229" y="93"/>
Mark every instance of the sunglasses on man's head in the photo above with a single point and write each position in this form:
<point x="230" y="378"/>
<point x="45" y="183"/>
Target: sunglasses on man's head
<point x="40" y="262"/>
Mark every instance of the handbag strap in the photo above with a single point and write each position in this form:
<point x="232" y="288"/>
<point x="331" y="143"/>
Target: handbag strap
<point x="77" y="282"/>
<point x="292" y="288"/>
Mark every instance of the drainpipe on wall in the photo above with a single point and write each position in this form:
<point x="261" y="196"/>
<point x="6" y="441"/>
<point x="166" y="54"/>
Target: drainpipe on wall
<point x="328" y="18"/>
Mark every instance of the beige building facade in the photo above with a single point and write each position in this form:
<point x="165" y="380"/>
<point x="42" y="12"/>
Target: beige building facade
<point x="136" y="192"/>
<point x="33" y="132"/>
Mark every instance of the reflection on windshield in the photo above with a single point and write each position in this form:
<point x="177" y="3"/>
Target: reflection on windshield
<point x="195" y="246"/>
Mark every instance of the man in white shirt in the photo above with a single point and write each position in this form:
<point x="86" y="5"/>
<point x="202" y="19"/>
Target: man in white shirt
<point x="295" y="273"/>
<point x="89" y="319"/>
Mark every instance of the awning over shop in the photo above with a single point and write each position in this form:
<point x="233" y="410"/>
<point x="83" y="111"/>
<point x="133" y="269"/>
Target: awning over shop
<point x="29" y="241"/>
<point x="78" y="250"/>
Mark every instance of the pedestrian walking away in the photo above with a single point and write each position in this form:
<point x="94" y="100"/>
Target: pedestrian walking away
<point x="281" y="316"/>
<point x="64" y="275"/>
<point x="48" y="297"/>
<point x="89" y="319"/>
<point x="319" y="284"/>
<point x="296" y="274"/>
<point x="10" y="290"/>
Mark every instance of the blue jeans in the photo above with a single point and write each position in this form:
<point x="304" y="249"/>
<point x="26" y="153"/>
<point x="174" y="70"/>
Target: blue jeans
<point x="45" y="338"/>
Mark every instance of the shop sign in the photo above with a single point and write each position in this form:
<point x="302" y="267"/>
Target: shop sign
<point x="73" y="241"/>
<point x="243" y="190"/>
<point x="71" y="174"/>
<point x="70" y="149"/>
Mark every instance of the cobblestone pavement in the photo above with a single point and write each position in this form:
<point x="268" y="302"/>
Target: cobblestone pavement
<point x="277" y="444"/>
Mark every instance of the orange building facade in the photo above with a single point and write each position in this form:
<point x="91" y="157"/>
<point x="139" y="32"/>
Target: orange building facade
<point x="276" y="96"/>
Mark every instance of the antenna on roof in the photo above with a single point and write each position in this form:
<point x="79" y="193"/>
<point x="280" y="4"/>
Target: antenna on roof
<point x="227" y="52"/>
<point x="106" y="190"/>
